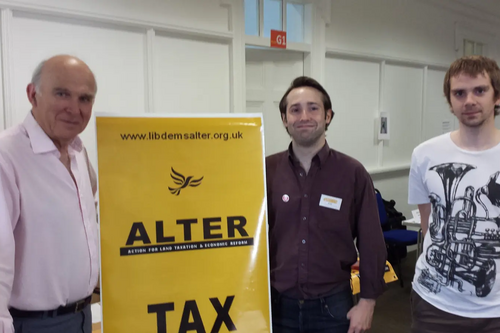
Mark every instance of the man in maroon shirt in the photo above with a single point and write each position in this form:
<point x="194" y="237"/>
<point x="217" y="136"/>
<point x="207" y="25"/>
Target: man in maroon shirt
<point x="319" y="202"/>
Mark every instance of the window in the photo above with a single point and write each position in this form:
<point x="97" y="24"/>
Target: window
<point x="252" y="17"/>
<point x="472" y="41"/>
<point x="262" y="16"/>
<point x="273" y="16"/>
<point x="472" y="48"/>
<point x="295" y="18"/>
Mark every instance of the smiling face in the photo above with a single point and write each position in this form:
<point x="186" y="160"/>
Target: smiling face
<point x="63" y="98"/>
<point x="472" y="99"/>
<point x="306" y="118"/>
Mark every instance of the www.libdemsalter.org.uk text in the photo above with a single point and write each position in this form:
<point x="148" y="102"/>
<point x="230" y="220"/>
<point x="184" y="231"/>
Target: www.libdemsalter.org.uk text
<point x="165" y="136"/>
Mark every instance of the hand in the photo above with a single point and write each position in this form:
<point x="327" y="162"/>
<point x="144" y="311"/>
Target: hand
<point x="361" y="316"/>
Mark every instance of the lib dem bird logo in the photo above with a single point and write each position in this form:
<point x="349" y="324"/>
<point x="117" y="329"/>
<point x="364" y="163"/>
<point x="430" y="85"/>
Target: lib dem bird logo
<point x="183" y="182"/>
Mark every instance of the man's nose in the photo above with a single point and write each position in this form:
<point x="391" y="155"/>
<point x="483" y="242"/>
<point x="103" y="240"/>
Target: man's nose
<point x="73" y="106"/>
<point x="304" y="115"/>
<point x="470" y="99"/>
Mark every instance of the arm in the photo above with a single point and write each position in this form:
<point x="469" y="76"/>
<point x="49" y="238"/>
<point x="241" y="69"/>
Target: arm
<point x="425" y="212"/>
<point x="361" y="316"/>
<point x="418" y="193"/>
<point x="92" y="174"/>
<point x="372" y="253"/>
<point x="93" y="184"/>
<point x="370" y="239"/>
<point x="9" y="214"/>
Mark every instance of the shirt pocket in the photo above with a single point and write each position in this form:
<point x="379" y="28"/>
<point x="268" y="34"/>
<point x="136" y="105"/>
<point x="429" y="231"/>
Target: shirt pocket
<point x="331" y="218"/>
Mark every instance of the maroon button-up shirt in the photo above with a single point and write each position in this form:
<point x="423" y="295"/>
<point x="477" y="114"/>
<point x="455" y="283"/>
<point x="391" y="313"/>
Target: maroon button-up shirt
<point x="312" y="246"/>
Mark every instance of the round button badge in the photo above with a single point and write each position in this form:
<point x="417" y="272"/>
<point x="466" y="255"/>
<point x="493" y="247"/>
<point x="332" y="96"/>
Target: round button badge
<point x="285" y="198"/>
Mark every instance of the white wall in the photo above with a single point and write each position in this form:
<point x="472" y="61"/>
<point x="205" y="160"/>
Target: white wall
<point x="197" y="14"/>
<point x="410" y="29"/>
<point x="397" y="52"/>
<point x="172" y="56"/>
<point x="189" y="56"/>
<point x="105" y="50"/>
<point x="191" y="76"/>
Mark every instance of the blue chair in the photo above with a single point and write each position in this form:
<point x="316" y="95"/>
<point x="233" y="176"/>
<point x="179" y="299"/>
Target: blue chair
<point x="395" y="238"/>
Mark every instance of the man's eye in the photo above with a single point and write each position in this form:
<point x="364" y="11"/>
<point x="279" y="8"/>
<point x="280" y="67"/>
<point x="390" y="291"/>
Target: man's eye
<point x="459" y="93"/>
<point x="480" y="91"/>
<point x="61" y="94"/>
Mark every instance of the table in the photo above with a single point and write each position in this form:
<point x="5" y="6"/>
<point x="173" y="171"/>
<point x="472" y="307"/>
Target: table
<point x="96" y="314"/>
<point x="420" y="239"/>
<point x="96" y="328"/>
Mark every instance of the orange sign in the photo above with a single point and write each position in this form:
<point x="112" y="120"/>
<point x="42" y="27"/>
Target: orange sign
<point x="278" y="39"/>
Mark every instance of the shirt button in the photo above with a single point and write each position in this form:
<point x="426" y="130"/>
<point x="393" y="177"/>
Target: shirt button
<point x="304" y="218"/>
<point x="303" y="241"/>
<point x="301" y="174"/>
<point x="302" y="264"/>
<point x="305" y="195"/>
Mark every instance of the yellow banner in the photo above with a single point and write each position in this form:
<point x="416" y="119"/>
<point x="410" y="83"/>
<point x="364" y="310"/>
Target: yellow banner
<point x="182" y="222"/>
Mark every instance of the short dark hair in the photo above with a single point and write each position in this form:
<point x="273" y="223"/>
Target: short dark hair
<point x="305" y="81"/>
<point x="473" y="66"/>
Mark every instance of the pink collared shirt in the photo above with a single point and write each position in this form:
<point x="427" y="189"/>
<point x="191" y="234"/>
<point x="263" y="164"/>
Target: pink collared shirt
<point x="48" y="230"/>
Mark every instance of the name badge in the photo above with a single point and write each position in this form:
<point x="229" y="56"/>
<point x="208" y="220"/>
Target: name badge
<point x="330" y="202"/>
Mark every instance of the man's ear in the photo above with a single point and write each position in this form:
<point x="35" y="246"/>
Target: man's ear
<point x="329" y="116"/>
<point x="283" y="119"/>
<point x="31" y="92"/>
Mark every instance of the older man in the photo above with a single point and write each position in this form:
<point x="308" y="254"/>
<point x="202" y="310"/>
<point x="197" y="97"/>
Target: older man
<point x="48" y="230"/>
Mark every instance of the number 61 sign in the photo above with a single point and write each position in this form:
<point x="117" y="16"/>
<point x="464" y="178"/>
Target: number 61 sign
<point x="278" y="39"/>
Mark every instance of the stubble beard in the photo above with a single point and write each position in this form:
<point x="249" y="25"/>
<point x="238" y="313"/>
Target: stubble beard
<point x="309" y="140"/>
<point x="474" y="123"/>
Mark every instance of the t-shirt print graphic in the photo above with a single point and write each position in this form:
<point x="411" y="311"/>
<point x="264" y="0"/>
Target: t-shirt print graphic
<point x="464" y="244"/>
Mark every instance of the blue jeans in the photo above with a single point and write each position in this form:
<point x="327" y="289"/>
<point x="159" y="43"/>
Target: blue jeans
<point x="321" y="315"/>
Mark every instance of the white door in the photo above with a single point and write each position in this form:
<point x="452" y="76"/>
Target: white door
<point x="268" y="76"/>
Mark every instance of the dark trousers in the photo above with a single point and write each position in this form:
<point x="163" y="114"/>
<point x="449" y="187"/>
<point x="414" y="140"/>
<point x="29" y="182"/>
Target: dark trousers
<point x="428" y="319"/>
<point x="321" y="315"/>
<point x="80" y="322"/>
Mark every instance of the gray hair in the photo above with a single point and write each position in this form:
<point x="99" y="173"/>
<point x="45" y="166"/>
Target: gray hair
<point x="36" y="78"/>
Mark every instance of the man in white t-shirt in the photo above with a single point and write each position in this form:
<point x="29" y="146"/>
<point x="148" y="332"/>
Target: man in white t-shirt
<point x="455" y="181"/>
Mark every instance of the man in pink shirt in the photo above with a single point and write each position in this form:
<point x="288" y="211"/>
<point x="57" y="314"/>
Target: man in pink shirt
<point x="49" y="261"/>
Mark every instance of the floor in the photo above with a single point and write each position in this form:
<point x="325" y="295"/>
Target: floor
<point x="392" y="312"/>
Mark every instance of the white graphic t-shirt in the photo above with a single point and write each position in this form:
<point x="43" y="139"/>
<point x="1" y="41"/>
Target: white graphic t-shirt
<point x="457" y="270"/>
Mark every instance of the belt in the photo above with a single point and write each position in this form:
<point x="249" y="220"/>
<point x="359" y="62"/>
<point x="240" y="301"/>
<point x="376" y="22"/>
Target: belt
<point x="62" y="310"/>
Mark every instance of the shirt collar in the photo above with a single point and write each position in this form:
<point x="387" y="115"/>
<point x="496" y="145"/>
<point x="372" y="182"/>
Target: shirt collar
<point x="322" y="155"/>
<point x="40" y="141"/>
